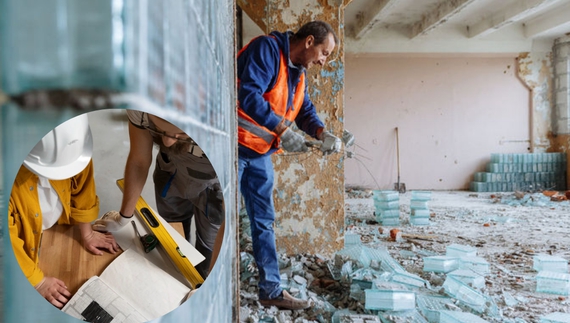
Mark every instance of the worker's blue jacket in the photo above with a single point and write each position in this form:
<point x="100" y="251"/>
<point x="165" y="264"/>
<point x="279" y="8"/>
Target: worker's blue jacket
<point x="270" y="90"/>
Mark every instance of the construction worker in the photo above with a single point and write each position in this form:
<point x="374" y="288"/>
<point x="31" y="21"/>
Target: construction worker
<point x="272" y="94"/>
<point x="185" y="182"/>
<point x="55" y="184"/>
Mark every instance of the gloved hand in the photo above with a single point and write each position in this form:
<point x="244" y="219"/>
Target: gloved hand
<point x="347" y="138"/>
<point x="111" y="221"/>
<point x="331" y="143"/>
<point x="292" y="141"/>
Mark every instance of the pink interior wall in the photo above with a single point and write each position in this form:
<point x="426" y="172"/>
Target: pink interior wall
<point x="452" y="113"/>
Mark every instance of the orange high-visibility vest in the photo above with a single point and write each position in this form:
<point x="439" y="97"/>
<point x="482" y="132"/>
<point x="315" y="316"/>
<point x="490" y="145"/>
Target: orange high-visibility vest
<point x="258" y="138"/>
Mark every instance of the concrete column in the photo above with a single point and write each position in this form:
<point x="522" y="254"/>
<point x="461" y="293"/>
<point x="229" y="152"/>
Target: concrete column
<point x="535" y="71"/>
<point x="309" y="188"/>
<point x="561" y="89"/>
<point x="561" y="97"/>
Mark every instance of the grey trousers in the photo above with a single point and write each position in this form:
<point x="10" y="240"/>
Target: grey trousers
<point x="176" y="209"/>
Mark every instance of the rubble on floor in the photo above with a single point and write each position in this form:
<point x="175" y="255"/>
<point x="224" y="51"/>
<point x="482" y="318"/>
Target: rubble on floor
<point x="491" y="260"/>
<point x="545" y="198"/>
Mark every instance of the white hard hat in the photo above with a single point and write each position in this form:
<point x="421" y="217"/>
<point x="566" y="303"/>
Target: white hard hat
<point x="64" y="152"/>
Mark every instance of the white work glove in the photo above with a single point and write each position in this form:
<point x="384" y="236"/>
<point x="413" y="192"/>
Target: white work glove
<point x="293" y="142"/>
<point x="331" y="143"/>
<point x="111" y="221"/>
<point x="347" y="138"/>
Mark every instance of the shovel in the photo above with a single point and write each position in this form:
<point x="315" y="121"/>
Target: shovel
<point x="400" y="187"/>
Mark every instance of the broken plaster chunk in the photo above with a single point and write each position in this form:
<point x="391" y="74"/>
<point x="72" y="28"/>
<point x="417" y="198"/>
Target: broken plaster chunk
<point x="244" y="313"/>
<point x="395" y="235"/>
<point x="300" y="280"/>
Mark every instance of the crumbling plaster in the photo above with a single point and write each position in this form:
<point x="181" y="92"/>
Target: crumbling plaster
<point x="535" y="71"/>
<point x="309" y="188"/>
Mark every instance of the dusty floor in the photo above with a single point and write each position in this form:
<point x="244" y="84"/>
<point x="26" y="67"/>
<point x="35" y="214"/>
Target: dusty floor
<point x="507" y="232"/>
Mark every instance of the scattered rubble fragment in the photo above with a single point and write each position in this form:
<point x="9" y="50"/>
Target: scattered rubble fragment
<point x="380" y="274"/>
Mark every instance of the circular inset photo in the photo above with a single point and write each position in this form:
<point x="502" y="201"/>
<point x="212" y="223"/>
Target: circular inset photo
<point x="116" y="215"/>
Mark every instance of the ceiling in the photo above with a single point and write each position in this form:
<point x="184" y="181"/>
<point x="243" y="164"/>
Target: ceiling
<point x="449" y="26"/>
<point x="435" y="26"/>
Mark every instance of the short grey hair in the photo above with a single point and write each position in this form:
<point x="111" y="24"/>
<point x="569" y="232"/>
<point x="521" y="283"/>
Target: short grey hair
<point x="318" y="29"/>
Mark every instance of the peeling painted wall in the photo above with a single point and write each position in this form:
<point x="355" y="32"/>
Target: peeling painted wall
<point x="309" y="188"/>
<point x="535" y="71"/>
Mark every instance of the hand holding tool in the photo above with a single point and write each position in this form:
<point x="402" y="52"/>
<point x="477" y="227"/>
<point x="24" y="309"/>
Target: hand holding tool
<point x="148" y="241"/>
<point x="292" y="141"/>
<point x="331" y="143"/>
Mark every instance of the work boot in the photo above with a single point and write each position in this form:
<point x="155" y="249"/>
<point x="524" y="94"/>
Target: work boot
<point x="286" y="301"/>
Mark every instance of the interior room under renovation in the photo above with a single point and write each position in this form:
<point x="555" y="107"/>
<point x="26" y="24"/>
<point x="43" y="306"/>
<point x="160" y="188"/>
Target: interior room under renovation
<point x="448" y="201"/>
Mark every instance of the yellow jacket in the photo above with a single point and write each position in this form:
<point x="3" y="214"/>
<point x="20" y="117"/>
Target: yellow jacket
<point x="80" y="205"/>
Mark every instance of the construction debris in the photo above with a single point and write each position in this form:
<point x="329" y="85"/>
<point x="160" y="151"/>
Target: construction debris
<point x="497" y="275"/>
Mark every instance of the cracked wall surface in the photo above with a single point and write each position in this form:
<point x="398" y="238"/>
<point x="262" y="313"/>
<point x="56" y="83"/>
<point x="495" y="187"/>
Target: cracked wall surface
<point x="535" y="71"/>
<point x="309" y="188"/>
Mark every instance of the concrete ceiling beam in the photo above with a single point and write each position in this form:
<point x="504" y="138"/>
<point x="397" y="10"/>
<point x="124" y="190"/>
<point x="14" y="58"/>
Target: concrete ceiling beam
<point x="256" y="11"/>
<point x="437" y="17"/>
<point x="556" y="20"/>
<point x="366" y="21"/>
<point x="517" y="11"/>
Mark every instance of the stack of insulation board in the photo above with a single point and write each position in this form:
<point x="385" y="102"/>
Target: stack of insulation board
<point x="522" y="172"/>
<point x="419" y="210"/>
<point x="552" y="277"/>
<point x="387" y="206"/>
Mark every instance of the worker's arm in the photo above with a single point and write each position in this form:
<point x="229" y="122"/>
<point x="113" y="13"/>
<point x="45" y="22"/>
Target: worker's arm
<point x="51" y="288"/>
<point x="307" y="119"/>
<point x="137" y="167"/>
<point x="136" y="173"/>
<point x="257" y="69"/>
<point x="23" y="246"/>
<point x="84" y="207"/>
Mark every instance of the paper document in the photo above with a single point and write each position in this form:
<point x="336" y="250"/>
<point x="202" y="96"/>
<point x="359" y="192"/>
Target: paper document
<point x="131" y="289"/>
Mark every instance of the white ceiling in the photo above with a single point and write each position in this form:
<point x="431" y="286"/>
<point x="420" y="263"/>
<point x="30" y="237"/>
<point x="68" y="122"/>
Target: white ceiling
<point x="454" y="26"/>
<point x="449" y="26"/>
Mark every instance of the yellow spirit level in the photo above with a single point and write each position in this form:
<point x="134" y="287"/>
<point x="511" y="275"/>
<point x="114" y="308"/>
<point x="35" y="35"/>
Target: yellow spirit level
<point x="166" y="241"/>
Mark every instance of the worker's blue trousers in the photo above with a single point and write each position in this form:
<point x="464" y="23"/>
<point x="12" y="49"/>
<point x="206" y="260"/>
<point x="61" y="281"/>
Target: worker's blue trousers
<point x="255" y="176"/>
